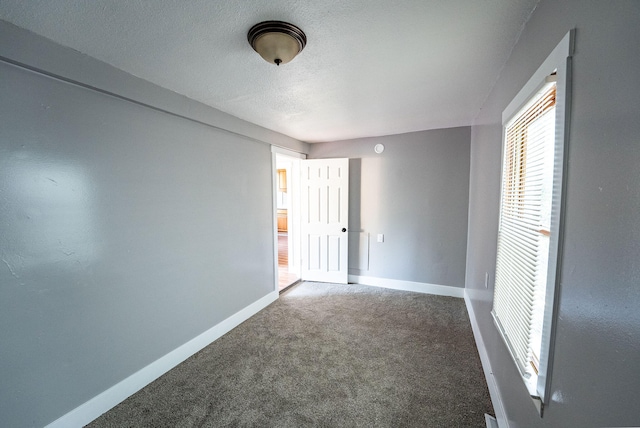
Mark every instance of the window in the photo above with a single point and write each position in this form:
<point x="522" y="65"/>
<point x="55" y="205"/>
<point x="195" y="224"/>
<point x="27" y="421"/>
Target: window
<point x="529" y="233"/>
<point x="524" y="231"/>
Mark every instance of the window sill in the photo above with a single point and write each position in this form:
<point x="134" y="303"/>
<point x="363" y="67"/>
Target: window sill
<point x="532" y="385"/>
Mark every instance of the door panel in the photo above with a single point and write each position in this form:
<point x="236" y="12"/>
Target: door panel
<point x="325" y="210"/>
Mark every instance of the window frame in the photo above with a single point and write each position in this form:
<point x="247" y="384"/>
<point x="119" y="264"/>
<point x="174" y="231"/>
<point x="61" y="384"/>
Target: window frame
<point x="560" y="62"/>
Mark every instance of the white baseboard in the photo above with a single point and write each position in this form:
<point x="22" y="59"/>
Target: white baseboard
<point x="494" y="392"/>
<point x="99" y="404"/>
<point x="418" y="287"/>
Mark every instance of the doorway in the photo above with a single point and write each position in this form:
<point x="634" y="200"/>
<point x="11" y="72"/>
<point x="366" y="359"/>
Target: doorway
<point x="287" y="206"/>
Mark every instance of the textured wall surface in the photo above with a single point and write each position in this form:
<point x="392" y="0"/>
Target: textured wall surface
<point x="125" y="233"/>
<point x="595" y="369"/>
<point x="415" y="193"/>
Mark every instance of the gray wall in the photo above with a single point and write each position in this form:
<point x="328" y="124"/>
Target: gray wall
<point x="595" y="379"/>
<point x="125" y="231"/>
<point x="416" y="193"/>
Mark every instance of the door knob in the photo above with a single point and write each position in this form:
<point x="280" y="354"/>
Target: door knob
<point x="344" y="229"/>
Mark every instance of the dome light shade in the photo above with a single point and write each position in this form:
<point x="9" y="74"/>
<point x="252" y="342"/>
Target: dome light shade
<point x="276" y="41"/>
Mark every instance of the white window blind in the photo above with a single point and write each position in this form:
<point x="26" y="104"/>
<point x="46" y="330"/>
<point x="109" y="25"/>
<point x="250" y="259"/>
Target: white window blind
<point x="524" y="229"/>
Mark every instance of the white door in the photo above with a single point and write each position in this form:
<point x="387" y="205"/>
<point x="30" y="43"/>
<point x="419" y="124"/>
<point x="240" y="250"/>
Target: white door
<point x="325" y="213"/>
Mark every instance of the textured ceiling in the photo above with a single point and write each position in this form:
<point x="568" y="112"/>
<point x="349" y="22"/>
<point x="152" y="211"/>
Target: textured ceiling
<point x="371" y="67"/>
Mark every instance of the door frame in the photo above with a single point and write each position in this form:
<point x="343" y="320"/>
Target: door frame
<point x="293" y="218"/>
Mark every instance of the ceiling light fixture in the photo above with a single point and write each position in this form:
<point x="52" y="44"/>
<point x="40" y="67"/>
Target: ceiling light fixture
<point x="276" y="41"/>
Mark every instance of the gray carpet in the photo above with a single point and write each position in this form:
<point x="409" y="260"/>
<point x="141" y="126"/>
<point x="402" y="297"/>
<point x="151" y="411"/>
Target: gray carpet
<point x="326" y="355"/>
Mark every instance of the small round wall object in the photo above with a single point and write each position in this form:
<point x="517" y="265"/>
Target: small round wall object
<point x="378" y="148"/>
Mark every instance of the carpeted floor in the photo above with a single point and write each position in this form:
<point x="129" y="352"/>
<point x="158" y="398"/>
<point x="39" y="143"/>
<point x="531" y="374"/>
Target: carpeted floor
<point x="326" y="355"/>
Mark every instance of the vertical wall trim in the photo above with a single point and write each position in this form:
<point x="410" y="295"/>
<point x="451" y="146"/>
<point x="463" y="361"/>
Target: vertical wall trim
<point x="274" y="206"/>
<point x="101" y="403"/>
<point x="494" y="392"/>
